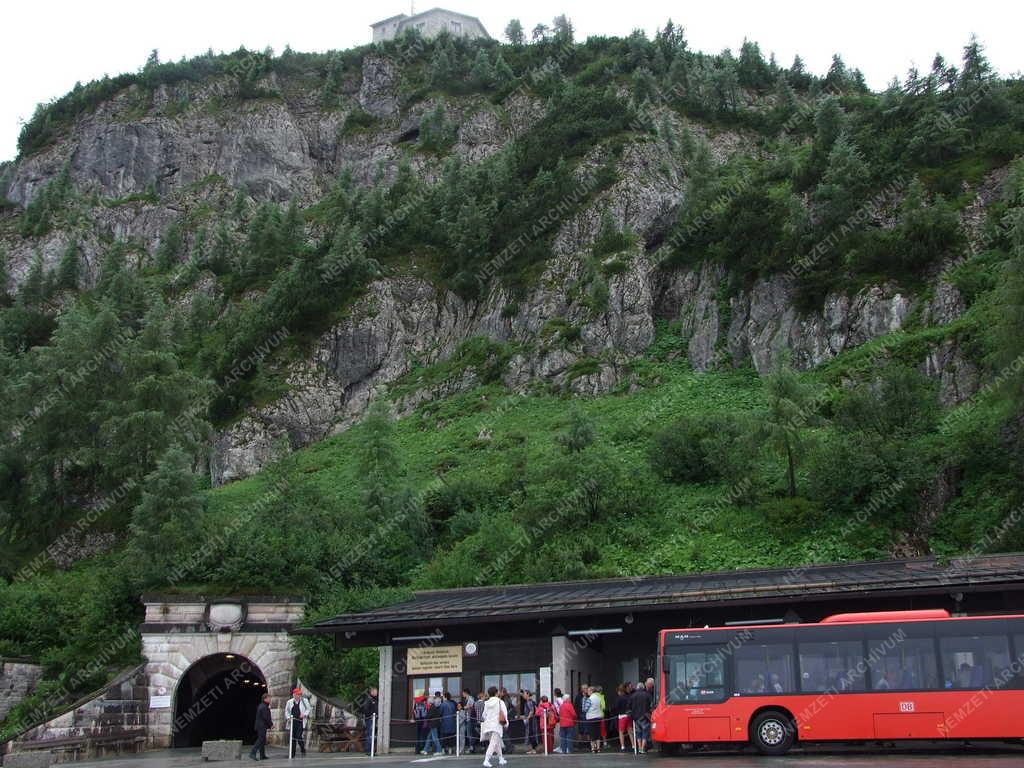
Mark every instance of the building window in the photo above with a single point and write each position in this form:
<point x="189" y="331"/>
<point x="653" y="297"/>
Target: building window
<point x="428" y="686"/>
<point x="456" y="27"/>
<point x="513" y="682"/>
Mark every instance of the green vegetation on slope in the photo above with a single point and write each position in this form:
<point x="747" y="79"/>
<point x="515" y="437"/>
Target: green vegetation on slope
<point x="108" y="394"/>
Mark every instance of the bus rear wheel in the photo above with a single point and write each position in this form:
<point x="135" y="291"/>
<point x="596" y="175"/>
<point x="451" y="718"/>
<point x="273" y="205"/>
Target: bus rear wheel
<point x="772" y="733"/>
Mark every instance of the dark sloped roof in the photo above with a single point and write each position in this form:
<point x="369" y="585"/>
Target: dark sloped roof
<point x="570" y="598"/>
<point x="389" y="18"/>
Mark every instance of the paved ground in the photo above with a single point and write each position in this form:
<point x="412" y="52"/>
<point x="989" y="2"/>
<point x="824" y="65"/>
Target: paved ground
<point x="865" y="757"/>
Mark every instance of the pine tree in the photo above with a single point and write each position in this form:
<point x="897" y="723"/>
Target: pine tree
<point x="482" y="73"/>
<point x="69" y="269"/>
<point x="790" y="411"/>
<point x="33" y="290"/>
<point x="843" y="185"/>
<point x="440" y="67"/>
<point x="4" y="279"/>
<point x="163" y="522"/>
<point x="436" y="132"/>
<point x="752" y="71"/>
<point x="514" y="32"/>
<point x="168" y="252"/>
<point x="785" y="100"/>
<point x="976" y="69"/>
<point x="579" y="433"/>
<point x="563" y="29"/>
<point x="503" y="74"/>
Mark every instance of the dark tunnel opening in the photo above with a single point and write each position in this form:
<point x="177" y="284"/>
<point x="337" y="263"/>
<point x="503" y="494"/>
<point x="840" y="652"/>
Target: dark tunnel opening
<point x="217" y="699"/>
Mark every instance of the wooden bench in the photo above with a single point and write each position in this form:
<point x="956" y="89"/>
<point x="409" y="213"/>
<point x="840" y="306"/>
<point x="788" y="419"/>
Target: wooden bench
<point x="338" y="737"/>
<point x="74" y="745"/>
<point x="133" y="741"/>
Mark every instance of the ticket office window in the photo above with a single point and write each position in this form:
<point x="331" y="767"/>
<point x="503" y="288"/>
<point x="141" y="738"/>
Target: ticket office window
<point x="428" y="686"/>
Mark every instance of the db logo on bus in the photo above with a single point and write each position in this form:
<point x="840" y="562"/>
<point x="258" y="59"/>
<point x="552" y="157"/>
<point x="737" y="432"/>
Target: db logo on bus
<point x="906" y="706"/>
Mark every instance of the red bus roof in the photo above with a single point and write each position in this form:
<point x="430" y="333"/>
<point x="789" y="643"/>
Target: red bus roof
<point x="870" y="616"/>
<point x="865" y="617"/>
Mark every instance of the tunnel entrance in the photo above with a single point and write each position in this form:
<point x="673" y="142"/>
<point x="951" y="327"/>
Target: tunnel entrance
<point x="217" y="699"/>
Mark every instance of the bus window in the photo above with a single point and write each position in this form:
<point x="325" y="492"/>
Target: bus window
<point x="1017" y="668"/>
<point x="695" y="675"/>
<point x="975" y="661"/>
<point x="903" y="666"/>
<point x="832" y="666"/>
<point x="764" y="668"/>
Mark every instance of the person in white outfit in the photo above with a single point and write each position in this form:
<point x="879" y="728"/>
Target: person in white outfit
<point x="493" y="723"/>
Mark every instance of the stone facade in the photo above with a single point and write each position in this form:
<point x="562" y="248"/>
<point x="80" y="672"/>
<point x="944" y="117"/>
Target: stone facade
<point x="180" y="632"/>
<point x="430" y="24"/>
<point x="18" y="678"/>
<point x="112" y="720"/>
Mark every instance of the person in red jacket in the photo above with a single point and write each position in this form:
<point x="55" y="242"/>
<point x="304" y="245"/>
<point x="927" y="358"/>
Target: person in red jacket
<point x="546" y="724"/>
<point x="567" y="725"/>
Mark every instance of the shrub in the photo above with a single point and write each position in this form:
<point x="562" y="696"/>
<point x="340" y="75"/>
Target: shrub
<point x="680" y="452"/>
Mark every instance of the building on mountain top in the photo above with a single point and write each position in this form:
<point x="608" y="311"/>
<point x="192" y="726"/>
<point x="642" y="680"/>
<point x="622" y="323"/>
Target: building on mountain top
<point x="430" y="24"/>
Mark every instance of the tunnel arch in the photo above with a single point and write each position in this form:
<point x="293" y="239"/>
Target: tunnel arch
<point x="217" y="698"/>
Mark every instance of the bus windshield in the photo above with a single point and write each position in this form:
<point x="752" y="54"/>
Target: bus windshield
<point x="695" y="674"/>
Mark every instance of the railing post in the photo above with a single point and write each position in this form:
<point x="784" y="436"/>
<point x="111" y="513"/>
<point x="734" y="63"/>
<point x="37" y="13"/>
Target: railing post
<point x="373" y="735"/>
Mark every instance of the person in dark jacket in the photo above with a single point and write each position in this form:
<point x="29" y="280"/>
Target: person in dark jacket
<point x="640" y="711"/>
<point x="263" y="724"/>
<point x="419" y="714"/>
<point x="433" y="724"/>
<point x="369" y="716"/>
<point x="449" y="714"/>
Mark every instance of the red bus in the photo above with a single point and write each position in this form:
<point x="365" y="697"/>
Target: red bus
<point x="859" y="676"/>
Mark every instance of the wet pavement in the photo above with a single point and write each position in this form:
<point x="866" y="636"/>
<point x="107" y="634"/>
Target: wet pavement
<point x="858" y="757"/>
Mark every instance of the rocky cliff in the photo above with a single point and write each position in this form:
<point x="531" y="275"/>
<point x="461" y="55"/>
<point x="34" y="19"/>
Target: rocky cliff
<point x="139" y="163"/>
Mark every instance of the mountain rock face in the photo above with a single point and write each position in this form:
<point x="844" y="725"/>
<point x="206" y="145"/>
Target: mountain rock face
<point x="290" y="146"/>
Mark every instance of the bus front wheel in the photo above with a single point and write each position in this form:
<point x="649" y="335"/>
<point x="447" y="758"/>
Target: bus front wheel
<point x="772" y="733"/>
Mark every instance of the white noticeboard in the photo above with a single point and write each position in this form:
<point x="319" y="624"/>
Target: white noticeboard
<point x="160" y="702"/>
<point x="545" y="682"/>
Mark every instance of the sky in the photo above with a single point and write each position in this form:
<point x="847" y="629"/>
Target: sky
<point x="51" y="44"/>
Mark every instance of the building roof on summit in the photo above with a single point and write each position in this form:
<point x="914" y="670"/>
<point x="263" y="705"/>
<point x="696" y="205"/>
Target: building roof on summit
<point x="575" y="598"/>
<point x="436" y="9"/>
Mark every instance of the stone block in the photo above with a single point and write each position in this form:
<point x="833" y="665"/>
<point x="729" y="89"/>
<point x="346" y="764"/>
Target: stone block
<point x="222" y="750"/>
<point x="42" y="759"/>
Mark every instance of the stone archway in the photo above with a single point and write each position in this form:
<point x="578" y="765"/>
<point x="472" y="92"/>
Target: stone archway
<point x="217" y="698"/>
<point x="194" y="646"/>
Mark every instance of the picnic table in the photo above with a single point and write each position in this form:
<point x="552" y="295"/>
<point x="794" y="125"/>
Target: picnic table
<point x="339" y="737"/>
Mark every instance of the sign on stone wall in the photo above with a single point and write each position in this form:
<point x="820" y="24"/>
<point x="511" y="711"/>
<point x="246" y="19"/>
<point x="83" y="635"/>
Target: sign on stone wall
<point x="434" y="660"/>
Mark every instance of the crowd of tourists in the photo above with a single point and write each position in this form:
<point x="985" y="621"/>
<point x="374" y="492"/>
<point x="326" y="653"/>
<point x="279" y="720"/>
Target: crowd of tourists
<point x="497" y="721"/>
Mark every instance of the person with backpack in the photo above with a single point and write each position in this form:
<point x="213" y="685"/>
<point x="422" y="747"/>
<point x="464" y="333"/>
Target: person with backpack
<point x="493" y="725"/>
<point x="433" y="725"/>
<point x="419" y="716"/>
<point x="468" y="720"/>
<point x="546" y="719"/>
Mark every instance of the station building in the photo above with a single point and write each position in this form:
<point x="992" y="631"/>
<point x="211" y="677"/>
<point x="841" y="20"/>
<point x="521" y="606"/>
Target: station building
<point x="565" y="634"/>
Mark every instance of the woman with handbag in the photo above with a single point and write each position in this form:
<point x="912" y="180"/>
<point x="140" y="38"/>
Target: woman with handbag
<point x="493" y="724"/>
